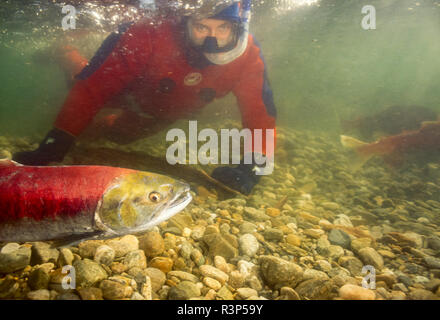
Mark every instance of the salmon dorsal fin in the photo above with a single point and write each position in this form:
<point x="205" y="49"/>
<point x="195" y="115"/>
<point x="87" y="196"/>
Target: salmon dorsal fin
<point x="8" y="163"/>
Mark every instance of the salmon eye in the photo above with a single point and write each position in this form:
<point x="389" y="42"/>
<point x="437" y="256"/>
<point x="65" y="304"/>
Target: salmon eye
<point x="154" y="196"/>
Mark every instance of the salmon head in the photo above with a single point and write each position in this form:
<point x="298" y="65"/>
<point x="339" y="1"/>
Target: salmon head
<point x="138" y="201"/>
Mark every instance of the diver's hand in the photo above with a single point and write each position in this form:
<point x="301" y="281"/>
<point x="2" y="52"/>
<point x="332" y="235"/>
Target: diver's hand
<point x="53" y="149"/>
<point x="241" y="178"/>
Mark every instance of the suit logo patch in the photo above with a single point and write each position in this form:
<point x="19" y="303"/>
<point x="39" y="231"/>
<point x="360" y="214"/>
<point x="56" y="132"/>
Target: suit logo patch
<point x="193" y="79"/>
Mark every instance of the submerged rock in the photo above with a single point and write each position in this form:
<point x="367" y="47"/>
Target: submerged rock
<point x="14" y="257"/>
<point x="184" y="291"/>
<point x="278" y="272"/>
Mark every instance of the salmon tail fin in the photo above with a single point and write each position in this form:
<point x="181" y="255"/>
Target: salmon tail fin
<point x="351" y="143"/>
<point x="358" y="159"/>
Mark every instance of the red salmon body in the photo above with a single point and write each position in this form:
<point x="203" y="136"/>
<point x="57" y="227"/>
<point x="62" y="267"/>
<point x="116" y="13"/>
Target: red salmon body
<point x="48" y="192"/>
<point x="38" y="203"/>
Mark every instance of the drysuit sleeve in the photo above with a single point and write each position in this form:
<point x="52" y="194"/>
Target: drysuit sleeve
<point x="121" y="58"/>
<point x="255" y="100"/>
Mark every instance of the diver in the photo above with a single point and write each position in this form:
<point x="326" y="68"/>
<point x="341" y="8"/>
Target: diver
<point x="171" y="70"/>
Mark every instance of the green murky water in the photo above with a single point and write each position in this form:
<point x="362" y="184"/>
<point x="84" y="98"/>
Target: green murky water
<point x="321" y="63"/>
<point x="323" y="67"/>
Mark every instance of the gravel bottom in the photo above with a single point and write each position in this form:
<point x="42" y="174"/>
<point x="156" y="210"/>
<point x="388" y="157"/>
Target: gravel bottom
<point x="311" y="230"/>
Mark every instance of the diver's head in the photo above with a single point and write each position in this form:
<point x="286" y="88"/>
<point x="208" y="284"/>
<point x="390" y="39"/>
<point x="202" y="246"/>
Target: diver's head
<point x="221" y="37"/>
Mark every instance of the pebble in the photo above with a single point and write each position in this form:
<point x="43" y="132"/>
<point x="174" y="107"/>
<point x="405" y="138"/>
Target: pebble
<point x="314" y="233"/>
<point x="43" y="252"/>
<point x="431" y="262"/>
<point x="236" y="279"/>
<point x="339" y="238"/>
<point x="137" y="296"/>
<point x="184" y="291"/>
<point x="147" y="289"/>
<point x="117" y="267"/>
<point x="434" y="243"/>
<point x="248" y="245"/>
<point x="87" y="249"/>
<point x="224" y="294"/>
<point x="221" y="264"/>
<point x="65" y="258"/>
<point x="247" y="227"/>
<point x="360" y="243"/>
<point x="212" y="283"/>
<point x="273" y="212"/>
<point x="352" y="292"/>
<point x="254" y="283"/>
<point x="39" y="279"/>
<point x="157" y="278"/>
<point x="183" y="276"/>
<point x="433" y="285"/>
<point x="162" y="263"/>
<point x="323" y="265"/>
<point x="388" y="277"/>
<point x="315" y="289"/>
<point x="88" y="273"/>
<point x="104" y="255"/>
<point x="398" y="295"/>
<point x="67" y="296"/>
<point x="114" y="290"/>
<point x="309" y="217"/>
<point x="343" y="220"/>
<point x="246" y="293"/>
<point x="273" y="234"/>
<point x="213" y="272"/>
<point x="135" y="259"/>
<point x="197" y="232"/>
<point x="352" y="264"/>
<point x="287" y="293"/>
<point x="330" y="205"/>
<point x="255" y="214"/>
<point x="422" y="294"/>
<point x="278" y="272"/>
<point x="293" y="239"/>
<point x="198" y="258"/>
<point x="124" y="245"/>
<point x="245" y="267"/>
<point x="370" y="257"/>
<point x="90" y="293"/>
<point x="334" y="252"/>
<point x="220" y="246"/>
<point x="42" y="294"/>
<point x="314" y="274"/>
<point x="13" y="258"/>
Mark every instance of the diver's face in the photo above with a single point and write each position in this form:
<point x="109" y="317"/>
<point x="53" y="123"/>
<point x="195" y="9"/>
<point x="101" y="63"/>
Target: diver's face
<point x="220" y="29"/>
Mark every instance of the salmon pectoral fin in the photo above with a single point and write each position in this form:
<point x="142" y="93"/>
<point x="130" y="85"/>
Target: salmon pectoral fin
<point x="74" y="239"/>
<point x="8" y="163"/>
<point x="358" y="159"/>
<point x="394" y="160"/>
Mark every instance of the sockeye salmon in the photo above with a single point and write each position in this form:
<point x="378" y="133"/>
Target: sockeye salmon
<point x="393" y="148"/>
<point x="71" y="203"/>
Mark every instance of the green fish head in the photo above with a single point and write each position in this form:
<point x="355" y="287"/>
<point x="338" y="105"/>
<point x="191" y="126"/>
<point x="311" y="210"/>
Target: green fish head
<point x="138" y="201"/>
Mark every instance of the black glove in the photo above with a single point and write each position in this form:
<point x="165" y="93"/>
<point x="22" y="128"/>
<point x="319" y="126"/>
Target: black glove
<point x="53" y="149"/>
<point x="241" y="178"/>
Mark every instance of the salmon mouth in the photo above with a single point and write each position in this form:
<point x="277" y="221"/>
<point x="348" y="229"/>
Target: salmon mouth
<point x="180" y="201"/>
